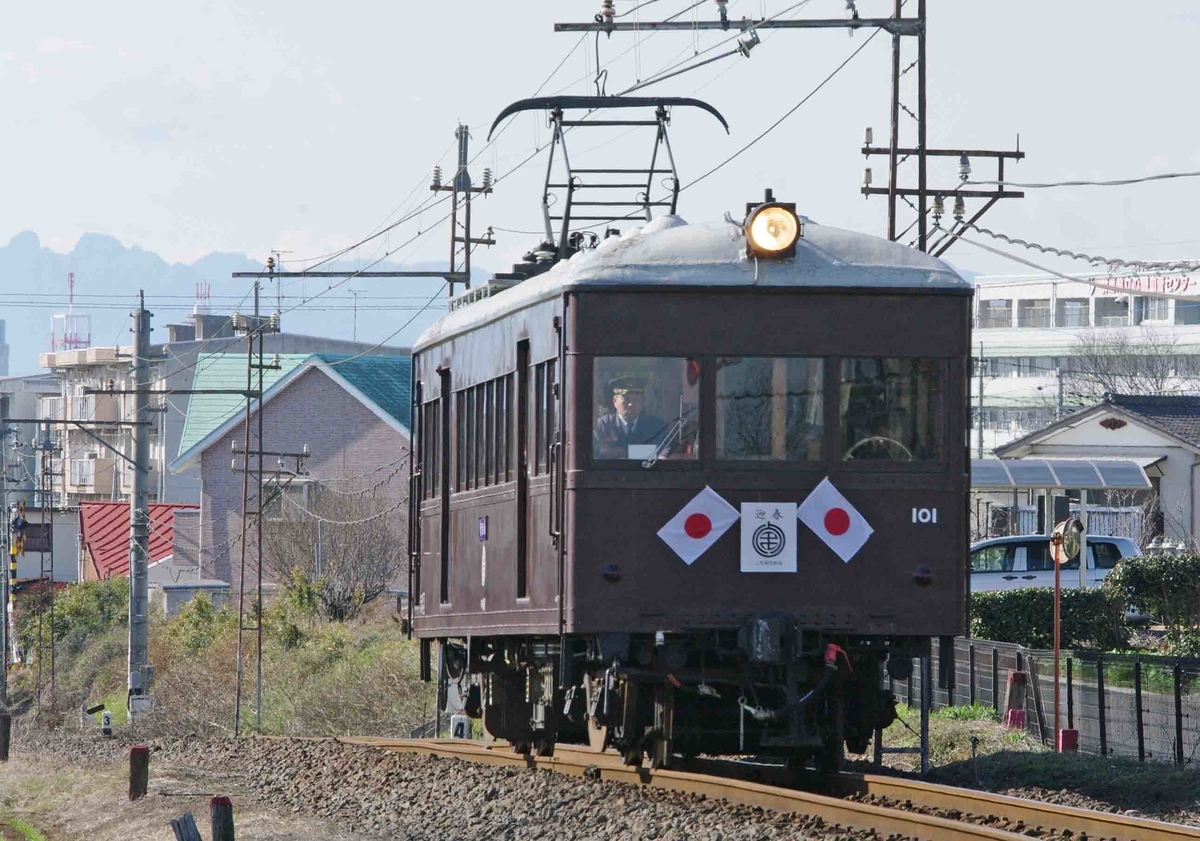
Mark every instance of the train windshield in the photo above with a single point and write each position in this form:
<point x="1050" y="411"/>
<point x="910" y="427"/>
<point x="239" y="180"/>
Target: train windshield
<point x="891" y="409"/>
<point x="646" y="408"/>
<point x="769" y="409"/>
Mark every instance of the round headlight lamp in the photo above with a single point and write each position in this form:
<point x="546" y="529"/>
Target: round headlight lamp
<point x="772" y="230"/>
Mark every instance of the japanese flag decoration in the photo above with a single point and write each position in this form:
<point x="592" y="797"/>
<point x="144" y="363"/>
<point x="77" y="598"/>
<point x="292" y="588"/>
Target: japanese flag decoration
<point x="698" y="525"/>
<point x="834" y="520"/>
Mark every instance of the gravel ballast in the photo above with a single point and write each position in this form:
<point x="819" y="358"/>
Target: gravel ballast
<point x="377" y="793"/>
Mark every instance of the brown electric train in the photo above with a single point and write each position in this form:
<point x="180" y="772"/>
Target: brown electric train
<point x="688" y="489"/>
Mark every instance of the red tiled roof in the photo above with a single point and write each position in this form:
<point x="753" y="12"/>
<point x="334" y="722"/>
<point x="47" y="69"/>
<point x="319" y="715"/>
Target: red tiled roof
<point x="105" y="530"/>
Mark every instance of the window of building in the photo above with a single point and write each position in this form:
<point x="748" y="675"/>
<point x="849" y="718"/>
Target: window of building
<point x="769" y="408"/>
<point x="83" y="471"/>
<point x="995" y="313"/>
<point x="891" y="409"/>
<point x="1112" y="312"/>
<point x="1034" y="312"/>
<point x="1156" y="309"/>
<point x="645" y="408"/>
<point x="1073" y="312"/>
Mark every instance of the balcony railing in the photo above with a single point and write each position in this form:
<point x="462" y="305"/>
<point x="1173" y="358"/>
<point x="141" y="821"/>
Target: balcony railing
<point x="994" y="319"/>
<point x="1112" y="320"/>
<point x="1034" y="317"/>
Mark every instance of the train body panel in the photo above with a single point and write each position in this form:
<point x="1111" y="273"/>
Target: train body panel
<point x="562" y="423"/>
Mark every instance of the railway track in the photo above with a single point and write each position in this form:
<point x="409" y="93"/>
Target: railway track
<point x="889" y="805"/>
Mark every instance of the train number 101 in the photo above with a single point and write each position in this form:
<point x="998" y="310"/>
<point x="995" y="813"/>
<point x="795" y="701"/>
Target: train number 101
<point x="924" y="515"/>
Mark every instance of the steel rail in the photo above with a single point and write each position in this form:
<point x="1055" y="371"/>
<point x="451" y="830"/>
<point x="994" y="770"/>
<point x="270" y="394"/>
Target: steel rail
<point x="1032" y="812"/>
<point x="580" y="762"/>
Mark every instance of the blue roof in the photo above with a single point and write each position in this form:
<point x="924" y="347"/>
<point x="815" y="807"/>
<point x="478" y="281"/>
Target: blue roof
<point x="225" y="370"/>
<point x="384" y="380"/>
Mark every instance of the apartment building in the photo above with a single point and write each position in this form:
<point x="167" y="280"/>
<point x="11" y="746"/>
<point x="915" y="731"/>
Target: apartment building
<point x="1037" y="337"/>
<point x="89" y="470"/>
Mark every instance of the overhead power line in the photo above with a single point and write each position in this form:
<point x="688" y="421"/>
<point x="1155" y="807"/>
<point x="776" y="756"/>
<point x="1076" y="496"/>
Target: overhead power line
<point x="1119" y="182"/>
<point x="1165" y="265"/>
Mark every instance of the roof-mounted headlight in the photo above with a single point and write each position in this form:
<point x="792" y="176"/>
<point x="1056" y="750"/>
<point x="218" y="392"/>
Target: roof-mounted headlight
<point x="772" y="229"/>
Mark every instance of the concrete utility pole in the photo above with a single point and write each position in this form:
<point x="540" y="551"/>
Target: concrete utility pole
<point x="979" y="433"/>
<point x="139" y="520"/>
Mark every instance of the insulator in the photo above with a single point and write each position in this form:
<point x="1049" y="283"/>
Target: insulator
<point x="436" y="181"/>
<point x="960" y="208"/>
<point x="939" y="206"/>
<point x="607" y="12"/>
<point x="868" y="136"/>
<point x="866" y="176"/>
<point x="964" y="167"/>
<point x="487" y="178"/>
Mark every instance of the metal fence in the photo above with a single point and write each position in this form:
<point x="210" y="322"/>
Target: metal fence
<point x="1137" y="706"/>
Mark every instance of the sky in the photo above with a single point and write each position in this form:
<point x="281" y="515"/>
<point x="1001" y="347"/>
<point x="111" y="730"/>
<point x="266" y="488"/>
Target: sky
<point x="186" y="129"/>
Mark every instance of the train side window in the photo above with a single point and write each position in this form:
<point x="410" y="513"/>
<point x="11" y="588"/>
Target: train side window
<point x="769" y="408"/>
<point x="992" y="559"/>
<point x="551" y="407"/>
<point x="645" y="408"/>
<point x="891" y="409"/>
<point x="539" y="419"/>
<point x="431" y="447"/>
<point x="460" y="466"/>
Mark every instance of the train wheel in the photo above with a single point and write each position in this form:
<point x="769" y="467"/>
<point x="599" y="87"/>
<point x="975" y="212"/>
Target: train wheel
<point x="521" y="747"/>
<point x="632" y="756"/>
<point x="543" y="746"/>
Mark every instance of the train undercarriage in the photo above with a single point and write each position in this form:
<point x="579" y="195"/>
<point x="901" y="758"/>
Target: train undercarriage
<point x="765" y="689"/>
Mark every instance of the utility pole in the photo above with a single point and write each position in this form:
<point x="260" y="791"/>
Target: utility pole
<point x="255" y="328"/>
<point x="979" y="368"/>
<point x="1058" y="408"/>
<point x="139" y="520"/>
<point x="460" y="189"/>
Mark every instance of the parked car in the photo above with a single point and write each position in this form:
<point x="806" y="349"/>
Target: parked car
<point x="1006" y="563"/>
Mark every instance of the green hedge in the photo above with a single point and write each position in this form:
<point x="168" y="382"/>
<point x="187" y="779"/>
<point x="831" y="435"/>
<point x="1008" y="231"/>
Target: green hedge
<point x="1166" y="587"/>
<point x="1091" y="618"/>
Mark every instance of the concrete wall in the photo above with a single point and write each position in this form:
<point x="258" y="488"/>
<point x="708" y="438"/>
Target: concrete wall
<point x="346" y="439"/>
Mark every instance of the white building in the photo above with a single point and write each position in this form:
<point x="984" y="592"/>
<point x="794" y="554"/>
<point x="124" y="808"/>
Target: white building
<point x="1030" y="333"/>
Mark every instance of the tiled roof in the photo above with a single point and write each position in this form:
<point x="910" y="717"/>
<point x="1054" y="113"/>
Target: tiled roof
<point x="105" y="533"/>
<point x="384" y="380"/>
<point x="1178" y="415"/>
<point x="207" y="412"/>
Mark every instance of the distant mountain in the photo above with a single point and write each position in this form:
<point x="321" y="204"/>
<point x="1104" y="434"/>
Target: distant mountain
<point x="108" y="276"/>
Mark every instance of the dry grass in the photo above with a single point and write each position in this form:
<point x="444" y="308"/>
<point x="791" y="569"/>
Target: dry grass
<point x="64" y="802"/>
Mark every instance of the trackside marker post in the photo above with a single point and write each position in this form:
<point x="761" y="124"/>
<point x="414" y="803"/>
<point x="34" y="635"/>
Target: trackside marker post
<point x="139" y="771"/>
<point x="5" y="734"/>
<point x="222" y="819"/>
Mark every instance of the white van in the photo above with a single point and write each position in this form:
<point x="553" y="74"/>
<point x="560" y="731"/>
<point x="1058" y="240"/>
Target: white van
<point x="1007" y="563"/>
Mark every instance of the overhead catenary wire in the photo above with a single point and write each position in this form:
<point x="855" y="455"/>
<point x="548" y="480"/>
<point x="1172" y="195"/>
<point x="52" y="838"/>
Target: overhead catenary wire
<point x="1117" y="182"/>
<point x="1165" y="265"/>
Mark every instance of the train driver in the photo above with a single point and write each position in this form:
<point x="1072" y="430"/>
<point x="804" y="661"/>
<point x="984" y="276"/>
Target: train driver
<point x="627" y="425"/>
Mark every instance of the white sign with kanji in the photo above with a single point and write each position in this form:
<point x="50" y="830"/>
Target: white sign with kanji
<point x="768" y="537"/>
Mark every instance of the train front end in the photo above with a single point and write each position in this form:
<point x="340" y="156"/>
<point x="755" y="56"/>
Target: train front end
<point x="764" y="482"/>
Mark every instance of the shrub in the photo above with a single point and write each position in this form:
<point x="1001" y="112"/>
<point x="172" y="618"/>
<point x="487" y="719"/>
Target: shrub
<point x="1090" y="618"/>
<point x="1164" y="586"/>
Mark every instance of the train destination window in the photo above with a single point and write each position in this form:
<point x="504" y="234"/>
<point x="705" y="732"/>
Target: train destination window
<point x="890" y="409"/>
<point x="769" y="408"/>
<point x="645" y="408"/>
